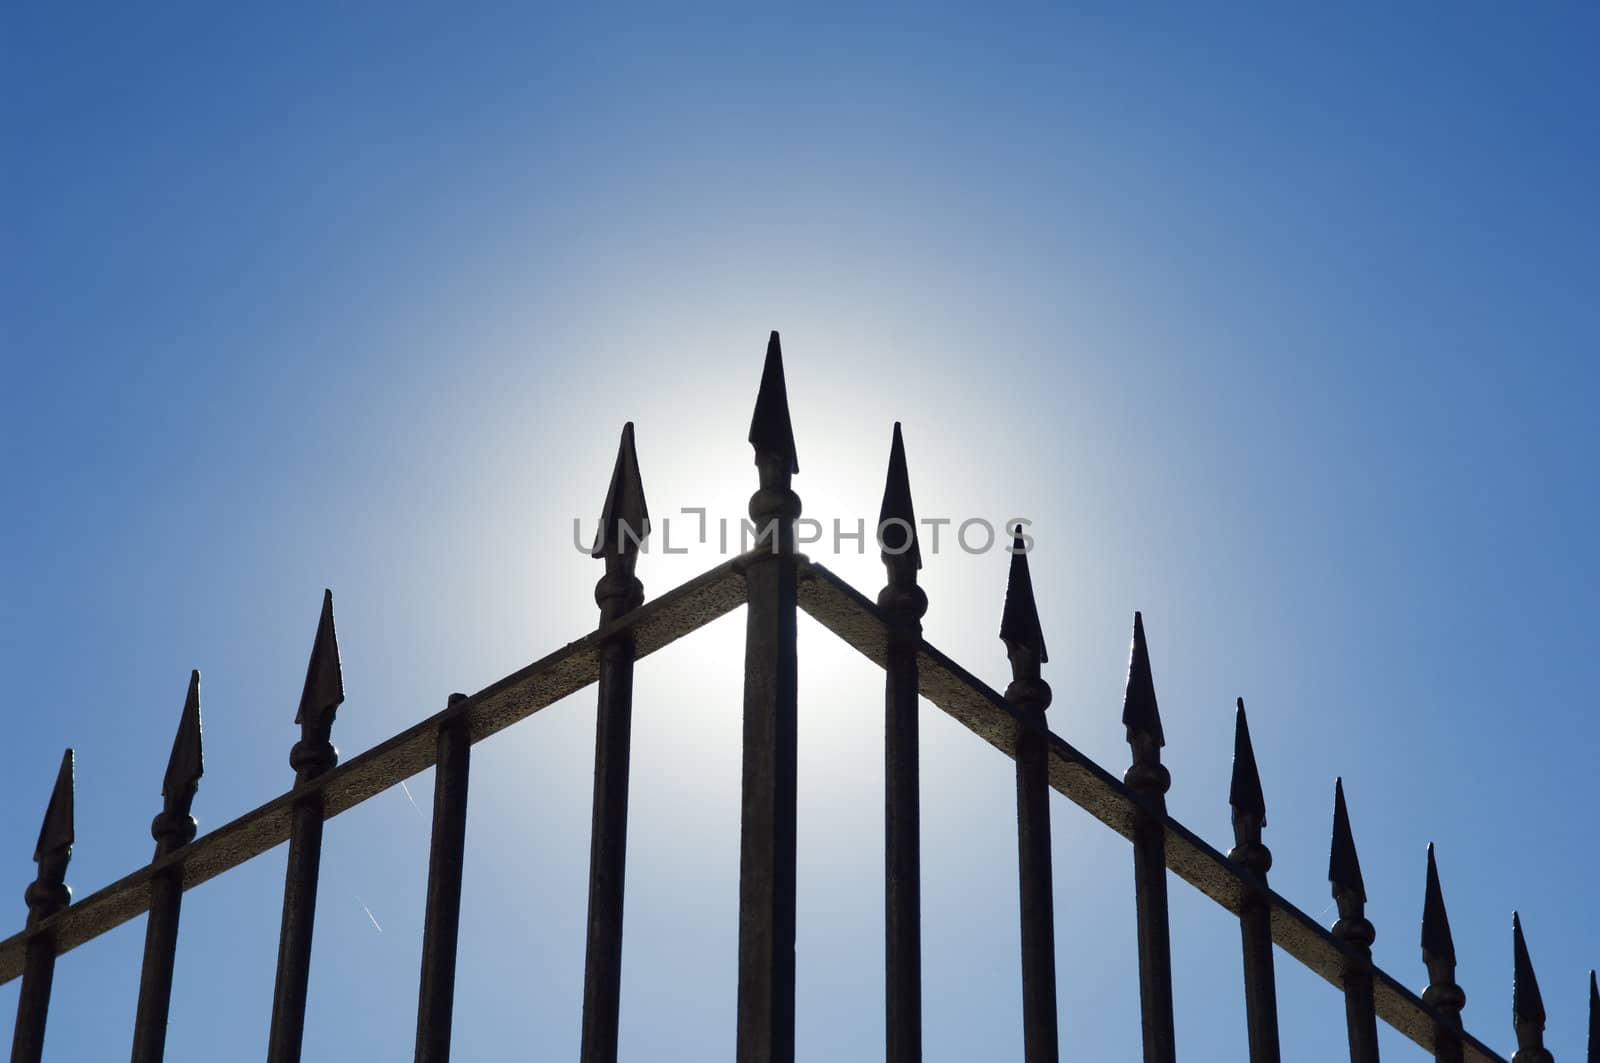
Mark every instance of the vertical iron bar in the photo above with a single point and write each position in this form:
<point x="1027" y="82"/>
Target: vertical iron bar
<point x="47" y="895"/>
<point x="905" y="603"/>
<point x="1037" y="897"/>
<point x="172" y="829"/>
<point x="1527" y="1005"/>
<point x="442" y="918"/>
<point x="1029" y="696"/>
<point x="623" y="526"/>
<point x="1354" y="933"/>
<point x="1149" y="779"/>
<point x="767" y="814"/>
<point x="1255" y="912"/>
<point x="311" y="757"/>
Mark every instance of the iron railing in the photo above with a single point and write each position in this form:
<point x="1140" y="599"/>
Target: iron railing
<point x="774" y="582"/>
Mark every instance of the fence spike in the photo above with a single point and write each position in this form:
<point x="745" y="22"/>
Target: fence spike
<point x="56" y="832"/>
<point x="900" y="545"/>
<point x="770" y="428"/>
<point x="47" y="895"/>
<point x="1019" y="623"/>
<point x="1354" y="932"/>
<point x="1255" y="907"/>
<point x="1140" y="715"/>
<point x="624" y="519"/>
<point x="904" y="603"/>
<point x="1244" y="788"/>
<point x="1438" y="947"/>
<point x="324" y="689"/>
<point x="172" y="829"/>
<point x="1439" y="955"/>
<point x="1527" y="1005"/>
<point x="1344" y="867"/>
<point x="186" y="764"/>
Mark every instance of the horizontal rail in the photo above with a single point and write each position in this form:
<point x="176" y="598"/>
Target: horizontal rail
<point x="497" y="706"/>
<point x="855" y="619"/>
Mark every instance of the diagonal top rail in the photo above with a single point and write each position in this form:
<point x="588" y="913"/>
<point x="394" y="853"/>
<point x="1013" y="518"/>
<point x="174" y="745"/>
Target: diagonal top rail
<point x="850" y="615"/>
<point x="497" y="706"/>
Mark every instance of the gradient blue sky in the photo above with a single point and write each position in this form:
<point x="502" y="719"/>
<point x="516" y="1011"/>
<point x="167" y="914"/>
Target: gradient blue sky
<point x="1281" y="327"/>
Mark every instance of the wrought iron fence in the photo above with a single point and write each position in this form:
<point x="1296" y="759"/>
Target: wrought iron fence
<point x="773" y="581"/>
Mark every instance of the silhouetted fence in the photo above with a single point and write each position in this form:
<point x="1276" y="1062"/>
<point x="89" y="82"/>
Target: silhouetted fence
<point x="773" y="582"/>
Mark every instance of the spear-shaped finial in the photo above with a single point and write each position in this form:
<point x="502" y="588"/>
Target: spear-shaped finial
<point x="770" y="429"/>
<point x="56" y="833"/>
<point x="1142" y="718"/>
<point x="1438" y="947"/>
<point x="897" y="524"/>
<point x="1527" y="1006"/>
<point x="175" y="827"/>
<point x="1439" y="951"/>
<point x="1019" y="623"/>
<point x="1344" y="867"/>
<point x="1248" y="802"/>
<point x="1140" y="714"/>
<point x="48" y="894"/>
<point x="624" y="520"/>
<point x="323" y="693"/>
<point x="324" y="689"/>
<point x="1344" y="874"/>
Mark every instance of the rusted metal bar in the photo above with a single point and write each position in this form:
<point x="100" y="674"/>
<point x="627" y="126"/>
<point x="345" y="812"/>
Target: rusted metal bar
<point x="47" y="895"/>
<point x="1254" y="859"/>
<point x="1439" y="955"/>
<point x="1527" y="1006"/>
<point x="905" y="603"/>
<point x="312" y="756"/>
<point x="624" y="522"/>
<point x="861" y="623"/>
<point x="173" y="829"/>
<point x="1029" y="696"/>
<point x="499" y="705"/>
<point x="441" y="922"/>
<point x="1354" y="933"/>
<point x="767" y="815"/>
<point x="1149" y="779"/>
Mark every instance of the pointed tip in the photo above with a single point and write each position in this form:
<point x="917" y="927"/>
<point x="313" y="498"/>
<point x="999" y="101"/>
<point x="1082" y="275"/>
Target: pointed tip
<point x="1344" y="868"/>
<point x="770" y="427"/>
<point x="186" y="764"/>
<point x="1244" y="790"/>
<point x="324" y="689"/>
<point x="1594" y="1020"/>
<point x="56" y="833"/>
<point x="1436" y="939"/>
<point x="897" y="507"/>
<point x="1526" y="1003"/>
<point x="1140" y="713"/>
<point x="1019" y="623"/>
<point x="624" y="518"/>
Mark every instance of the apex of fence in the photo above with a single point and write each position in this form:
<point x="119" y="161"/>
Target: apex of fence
<point x="624" y="518"/>
<point x="771" y="431"/>
<point x="1594" y="1020"/>
<point x="1140" y="713"/>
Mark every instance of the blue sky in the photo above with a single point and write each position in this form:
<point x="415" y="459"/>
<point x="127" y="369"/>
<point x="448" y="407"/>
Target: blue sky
<point x="1279" y="326"/>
